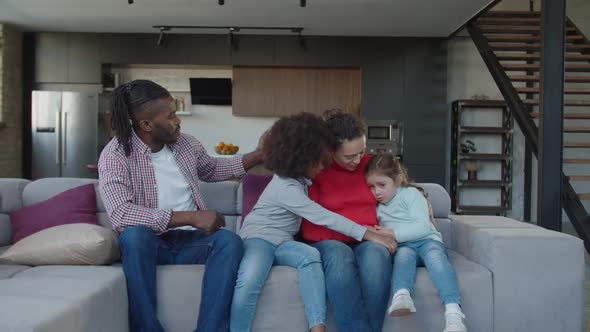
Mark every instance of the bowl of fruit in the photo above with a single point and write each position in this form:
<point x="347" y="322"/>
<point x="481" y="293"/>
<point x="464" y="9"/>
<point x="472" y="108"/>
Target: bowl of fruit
<point x="227" y="149"/>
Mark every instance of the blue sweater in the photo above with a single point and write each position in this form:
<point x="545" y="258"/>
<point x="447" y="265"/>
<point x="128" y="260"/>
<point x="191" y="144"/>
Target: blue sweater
<point x="407" y="215"/>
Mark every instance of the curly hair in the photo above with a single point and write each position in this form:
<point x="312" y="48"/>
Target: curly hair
<point x="296" y="142"/>
<point x="344" y="125"/>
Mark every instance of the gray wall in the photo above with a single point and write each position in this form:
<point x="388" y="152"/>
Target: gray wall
<point x="403" y="78"/>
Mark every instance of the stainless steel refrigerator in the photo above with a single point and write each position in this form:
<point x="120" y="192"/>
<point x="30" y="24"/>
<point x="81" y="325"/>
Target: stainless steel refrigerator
<point x="64" y="134"/>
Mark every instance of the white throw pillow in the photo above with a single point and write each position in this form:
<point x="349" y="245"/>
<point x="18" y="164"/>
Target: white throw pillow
<point x="70" y="244"/>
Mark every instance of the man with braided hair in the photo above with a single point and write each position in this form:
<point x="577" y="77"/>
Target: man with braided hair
<point x="149" y="180"/>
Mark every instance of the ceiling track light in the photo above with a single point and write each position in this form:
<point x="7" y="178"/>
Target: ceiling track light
<point x="233" y="39"/>
<point x="302" y="3"/>
<point x="221" y="2"/>
<point x="232" y="36"/>
<point x="130" y="2"/>
<point x="160" y="40"/>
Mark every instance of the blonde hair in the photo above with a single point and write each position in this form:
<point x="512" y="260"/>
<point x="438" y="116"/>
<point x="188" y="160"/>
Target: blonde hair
<point x="387" y="165"/>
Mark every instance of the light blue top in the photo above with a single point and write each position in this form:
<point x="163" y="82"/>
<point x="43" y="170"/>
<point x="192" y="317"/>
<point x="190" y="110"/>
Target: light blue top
<point x="407" y="215"/>
<point x="276" y="217"/>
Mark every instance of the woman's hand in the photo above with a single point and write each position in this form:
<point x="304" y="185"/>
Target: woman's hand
<point x="382" y="236"/>
<point x="383" y="230"/>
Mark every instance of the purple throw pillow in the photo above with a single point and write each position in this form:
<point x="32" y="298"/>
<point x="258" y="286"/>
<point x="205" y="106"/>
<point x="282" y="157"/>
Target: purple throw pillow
<point x="76" y="205"/>
<point x="252" y="186"/>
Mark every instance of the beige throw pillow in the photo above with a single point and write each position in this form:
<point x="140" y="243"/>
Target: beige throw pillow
<point x="70" y="244"/>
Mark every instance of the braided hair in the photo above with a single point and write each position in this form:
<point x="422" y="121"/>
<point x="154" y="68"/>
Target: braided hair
<point x="128" y="99"/>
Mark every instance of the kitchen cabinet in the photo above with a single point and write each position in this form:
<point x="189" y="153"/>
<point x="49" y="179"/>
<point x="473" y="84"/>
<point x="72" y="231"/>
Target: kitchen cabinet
<point x="280" y="91"/>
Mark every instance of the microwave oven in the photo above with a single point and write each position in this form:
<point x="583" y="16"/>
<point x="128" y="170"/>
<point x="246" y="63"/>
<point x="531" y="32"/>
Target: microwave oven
<point x="384" y="136"/>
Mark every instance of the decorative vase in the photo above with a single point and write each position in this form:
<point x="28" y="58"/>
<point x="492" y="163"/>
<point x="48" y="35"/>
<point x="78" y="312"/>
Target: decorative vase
<point x="471" y="175"/>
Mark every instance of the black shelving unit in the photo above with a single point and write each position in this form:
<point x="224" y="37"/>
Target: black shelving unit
<point x="459" y="180"/>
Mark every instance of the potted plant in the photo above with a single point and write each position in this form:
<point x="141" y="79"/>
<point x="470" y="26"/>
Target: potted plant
<point x="468" y="146"/>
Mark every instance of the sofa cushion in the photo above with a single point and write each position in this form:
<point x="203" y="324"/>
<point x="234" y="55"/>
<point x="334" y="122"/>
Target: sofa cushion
<point x="65" y="298"/>
<point x="252" y="187"/>
<point x="220" y="196"/>
<point x="475" y="286"/>
<point x="5" y="230"/>
<point x="439" y="199"/>
<point x="77" y="205"/>
<point x="11" y="197"/>
<point x="7" y="271"/>
<point x="72" y="244"/>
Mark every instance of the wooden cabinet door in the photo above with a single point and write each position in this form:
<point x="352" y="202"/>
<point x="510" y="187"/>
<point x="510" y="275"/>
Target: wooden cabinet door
<point x="279" y="91"/>
<point x="253" y="91"/>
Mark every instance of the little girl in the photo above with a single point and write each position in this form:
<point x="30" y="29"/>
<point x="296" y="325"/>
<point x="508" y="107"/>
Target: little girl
<point x="297" y="148"/>
<point x="403" y="209"/>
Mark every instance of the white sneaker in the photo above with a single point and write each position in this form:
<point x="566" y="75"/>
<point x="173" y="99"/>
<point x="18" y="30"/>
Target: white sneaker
<point x="401" y="305"/>
<point x="454" y="322"/>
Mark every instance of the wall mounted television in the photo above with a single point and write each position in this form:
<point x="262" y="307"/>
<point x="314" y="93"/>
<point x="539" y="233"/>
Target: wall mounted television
<point x="210" y="91"/>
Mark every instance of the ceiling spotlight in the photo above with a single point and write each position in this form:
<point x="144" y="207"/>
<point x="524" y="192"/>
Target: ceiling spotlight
<point x="160" y="40"/>
<point x="130" y="1"/>
<point x="302" y="3"/>
<point x="221" y="2"/>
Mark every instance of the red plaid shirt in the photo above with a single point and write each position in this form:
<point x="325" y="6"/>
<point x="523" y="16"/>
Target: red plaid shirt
<point x="128" y="184"/>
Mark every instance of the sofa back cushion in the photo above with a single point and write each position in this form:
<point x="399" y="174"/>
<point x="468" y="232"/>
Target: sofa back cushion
<point x="76" y="205"/>
<point x="252" y="187"/>
<point x="220" y="196"/>
<point x="439" y="199"/>
<point x="11" y="198"/>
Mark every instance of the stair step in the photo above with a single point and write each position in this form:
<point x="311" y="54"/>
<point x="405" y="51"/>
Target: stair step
<point x="513" y="38"/>
<point x="567" y="91"/>
<point x="576" y="145"/>
<point x="536" y="67"/>
<point x="485" y="130"/>
<point x="584" y="196"/>
<point x="576" y="129"/>
<point x="579" y="177"/>
<point x="537" y="57"/>
<point x="502" y="46"/>
<point x="512" y="13"/>
<point x="483" y="183"/>
<point x="536" y="78"/>
<point x="566" y="115"/>
<point x="504" y="20"/>
<point x="566" y="103"/>
<point x="516" y="29"/>
<point x="576" y="161"/>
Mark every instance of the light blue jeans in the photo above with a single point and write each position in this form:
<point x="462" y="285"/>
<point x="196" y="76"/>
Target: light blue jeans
<point x="358" y="279"/>
<point x="433" y="255"/>
<point x="259" y="257"/>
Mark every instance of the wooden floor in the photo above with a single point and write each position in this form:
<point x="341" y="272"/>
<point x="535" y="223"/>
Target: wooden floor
<point x="567" y="228"/>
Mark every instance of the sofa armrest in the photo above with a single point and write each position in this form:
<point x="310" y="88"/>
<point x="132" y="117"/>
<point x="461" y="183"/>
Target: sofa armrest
<point x="538" y="275"/>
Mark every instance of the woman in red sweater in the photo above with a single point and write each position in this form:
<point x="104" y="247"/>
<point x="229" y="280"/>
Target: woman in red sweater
<point x="357" y="273"/>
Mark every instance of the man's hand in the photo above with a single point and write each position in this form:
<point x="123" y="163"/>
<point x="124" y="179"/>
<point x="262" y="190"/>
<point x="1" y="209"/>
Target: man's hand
<point x="209" y="221"/>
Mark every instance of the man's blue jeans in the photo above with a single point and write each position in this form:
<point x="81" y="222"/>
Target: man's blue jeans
<point x="357" y="283"/>
<point x="433" y="255"/>
<point x="259" y="257"/>
<point x="142" y="251"/>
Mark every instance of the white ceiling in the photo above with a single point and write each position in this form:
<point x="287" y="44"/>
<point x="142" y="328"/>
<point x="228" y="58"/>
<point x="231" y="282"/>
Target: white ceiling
<point x="416" y="18"/>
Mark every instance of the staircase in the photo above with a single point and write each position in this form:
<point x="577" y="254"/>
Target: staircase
<point x="509" y="43"/>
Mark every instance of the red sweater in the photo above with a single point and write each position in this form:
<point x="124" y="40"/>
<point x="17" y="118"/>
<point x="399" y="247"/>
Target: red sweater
<point x="344" y="192"/>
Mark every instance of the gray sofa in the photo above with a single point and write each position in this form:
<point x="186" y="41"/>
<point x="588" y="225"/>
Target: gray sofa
<point x="513" y="276"/>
